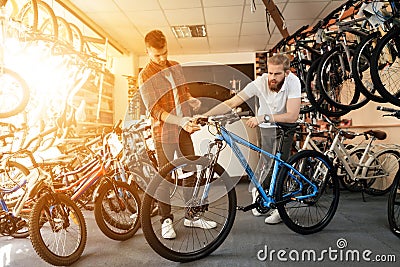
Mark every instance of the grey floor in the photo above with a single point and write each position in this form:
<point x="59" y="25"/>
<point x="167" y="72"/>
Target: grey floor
<point x="358" y="228"/>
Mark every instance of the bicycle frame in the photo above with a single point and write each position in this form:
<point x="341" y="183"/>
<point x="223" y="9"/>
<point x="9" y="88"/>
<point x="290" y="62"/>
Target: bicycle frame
<point x="344" y="157"/>
<point x="34" y="182"/>
<point x="269" y="201"/>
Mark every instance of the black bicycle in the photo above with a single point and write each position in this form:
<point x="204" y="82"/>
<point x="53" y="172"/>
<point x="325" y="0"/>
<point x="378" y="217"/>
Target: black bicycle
<point x="393" y="206"/>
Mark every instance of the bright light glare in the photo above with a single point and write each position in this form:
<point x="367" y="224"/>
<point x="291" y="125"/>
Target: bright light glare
<point x="48" y="76"/>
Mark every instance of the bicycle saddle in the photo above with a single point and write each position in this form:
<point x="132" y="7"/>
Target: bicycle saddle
<point x="380" y="135"/>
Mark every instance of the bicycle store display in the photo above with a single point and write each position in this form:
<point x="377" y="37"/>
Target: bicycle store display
<point x="63" y="153"/>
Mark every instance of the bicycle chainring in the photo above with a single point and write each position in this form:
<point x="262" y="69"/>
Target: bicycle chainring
<point x="260" y="207"/>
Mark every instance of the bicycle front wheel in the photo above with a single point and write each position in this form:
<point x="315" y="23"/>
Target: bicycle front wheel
<point x="116" y="210"/>
<point x="14" y="93"/>
<point x="190" y="207"/>
<point x="301" y="209"/>
<point x="384" y="167"/>
<point x="336" y="83"/>
<point x="394" y="206"/>
<point x="57" y="229"/>
<point x="385" y="66"/>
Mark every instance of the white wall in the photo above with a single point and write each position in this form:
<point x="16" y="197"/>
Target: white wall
<point x="127" y="65"/>
<point x="368" y="117"/>
<point x="202" y="59"/>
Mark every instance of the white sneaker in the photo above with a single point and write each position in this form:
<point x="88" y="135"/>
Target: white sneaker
<point x="273" y="218"/>
<point x="167" y="229"/>
<point x="200" y="223"/>
<point x="254" y="194"/>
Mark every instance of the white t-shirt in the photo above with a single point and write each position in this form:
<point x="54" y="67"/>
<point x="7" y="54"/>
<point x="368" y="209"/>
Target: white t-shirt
<point x="272" y="102"/>
<point x="168" y="76"/>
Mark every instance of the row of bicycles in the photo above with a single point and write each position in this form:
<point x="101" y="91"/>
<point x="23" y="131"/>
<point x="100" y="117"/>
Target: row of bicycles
<point x="362" y="166"/>
<point x="348" y="58"/>
<point x="115" y="175"/>
<point x="46" y="199"/>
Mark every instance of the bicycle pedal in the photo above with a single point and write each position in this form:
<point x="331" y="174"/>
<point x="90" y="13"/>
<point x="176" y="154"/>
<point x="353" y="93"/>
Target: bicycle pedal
<point x="21" y="223"/>
<point x="247" y="208"/>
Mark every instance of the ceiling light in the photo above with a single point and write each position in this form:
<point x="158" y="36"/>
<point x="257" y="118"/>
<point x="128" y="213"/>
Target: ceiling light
<point x="189" y="31"/>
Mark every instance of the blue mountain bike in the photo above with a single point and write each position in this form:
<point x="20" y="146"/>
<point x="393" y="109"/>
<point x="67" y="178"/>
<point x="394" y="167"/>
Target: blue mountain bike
<point x="305" y="190"/>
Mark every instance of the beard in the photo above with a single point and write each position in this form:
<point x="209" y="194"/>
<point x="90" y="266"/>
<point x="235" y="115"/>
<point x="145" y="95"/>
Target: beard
<point x="275" y="87"/>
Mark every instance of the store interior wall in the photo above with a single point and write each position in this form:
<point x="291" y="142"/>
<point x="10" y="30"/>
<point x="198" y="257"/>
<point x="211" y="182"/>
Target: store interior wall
<point x="363" y="119"/>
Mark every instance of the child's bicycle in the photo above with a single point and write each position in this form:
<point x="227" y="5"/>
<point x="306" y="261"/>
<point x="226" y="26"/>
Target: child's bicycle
<point x="305" y="190"/>
<point x="393" y="206"/>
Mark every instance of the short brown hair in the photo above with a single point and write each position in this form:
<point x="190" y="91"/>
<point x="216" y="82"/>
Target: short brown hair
<point x="155" y="39"/>
<point x="280" y="59"/>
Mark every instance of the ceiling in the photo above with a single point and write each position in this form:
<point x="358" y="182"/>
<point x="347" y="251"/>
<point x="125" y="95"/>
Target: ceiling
<point x="230" y="24"/>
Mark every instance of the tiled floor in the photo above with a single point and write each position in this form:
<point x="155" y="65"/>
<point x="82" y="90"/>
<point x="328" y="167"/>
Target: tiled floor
<point x="358" y="227"/>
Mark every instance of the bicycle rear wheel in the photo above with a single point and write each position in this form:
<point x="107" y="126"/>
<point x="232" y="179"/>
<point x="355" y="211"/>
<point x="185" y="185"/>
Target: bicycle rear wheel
<point x="117" y="215"/>
<point x="220" y="206"/>
<point x="362" y="68"/>
<point x="386" y="164"/>
<point x="11" y="174"/>
<point x="336" y="82"/>
<point x="347" y="181"/>
<point x="315" y="96"/>
<point x="57" y="229"/>
<point x="14" y="93"/>
<point x="307" y="215"/>
<point x="394" y="206"/>
<point x="385" y="66"/>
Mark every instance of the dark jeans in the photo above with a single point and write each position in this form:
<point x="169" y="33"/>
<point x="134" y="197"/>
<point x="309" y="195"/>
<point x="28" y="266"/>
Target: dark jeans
<point x="165" y="154"/>
<point x="269" y="142"/>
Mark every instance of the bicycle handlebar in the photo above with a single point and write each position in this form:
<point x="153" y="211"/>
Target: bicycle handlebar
<point x="228" y="118"/>
<point x="387" y="109"/>
<point x="394" y="112"/>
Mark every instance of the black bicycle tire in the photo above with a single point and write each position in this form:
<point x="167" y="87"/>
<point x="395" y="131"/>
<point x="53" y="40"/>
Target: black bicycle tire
<point x="36" y="223"/>
<point x="354" y="103"/>
<point x="334" y="184"/>
<point x="377" y="81"/>
<point x="23" y="232"/>
<point x="393" y="206"/>
<point x="304" y="107"/>
<point x="379" y="192"/>
<point x="319" y="103"/>
<point x="148" y="232"/>
<point x="356" y="75"/>
<point x="23" y="102"/>
<point x="103" y="218"/>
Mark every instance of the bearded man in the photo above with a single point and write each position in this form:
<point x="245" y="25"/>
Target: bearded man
<point x="279" y="97"/>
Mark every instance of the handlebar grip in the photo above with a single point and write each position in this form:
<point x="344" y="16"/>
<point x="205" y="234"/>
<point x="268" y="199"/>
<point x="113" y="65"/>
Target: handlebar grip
<point x="243" y="113"/>
<point x="387" y="109"/>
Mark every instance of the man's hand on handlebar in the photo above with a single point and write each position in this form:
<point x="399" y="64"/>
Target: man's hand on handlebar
<point x="189" y="125"/>
<point x="255" y="121"/>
